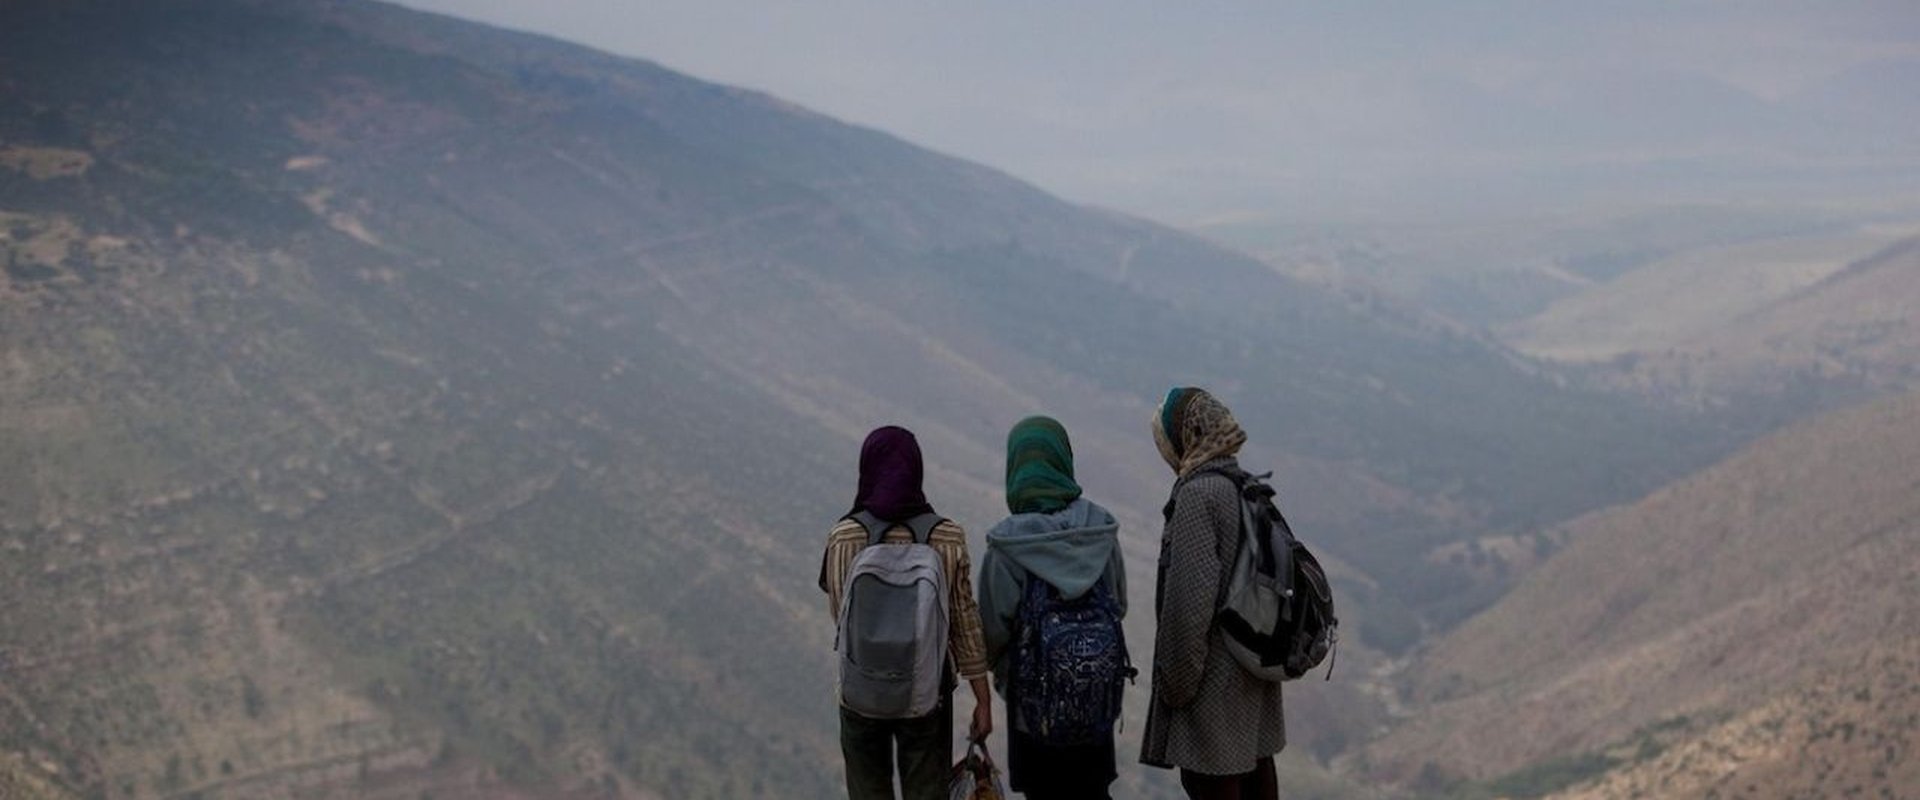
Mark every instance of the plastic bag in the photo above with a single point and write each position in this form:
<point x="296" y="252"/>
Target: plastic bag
<point x="975" y="777"/>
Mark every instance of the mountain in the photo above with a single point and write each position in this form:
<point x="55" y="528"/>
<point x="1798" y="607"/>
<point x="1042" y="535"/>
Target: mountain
<point x="1494" y="273"/>
<point x="394" y="406"/>
<point x="1804" y="318"/>
<point x="1853" y="328"/>
<point x="1764" y="601"/>
<point x="1670" y="302"/>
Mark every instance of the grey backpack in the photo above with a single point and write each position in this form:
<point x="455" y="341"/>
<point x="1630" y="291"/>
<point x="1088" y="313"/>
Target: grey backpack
<point x="893" y="623"/>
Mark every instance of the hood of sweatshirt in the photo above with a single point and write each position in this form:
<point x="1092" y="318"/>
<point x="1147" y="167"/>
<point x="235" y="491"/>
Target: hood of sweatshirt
<point x="1068" y="548"/>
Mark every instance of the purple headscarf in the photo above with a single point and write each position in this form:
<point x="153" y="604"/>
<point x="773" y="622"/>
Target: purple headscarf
<point x="890" y="476"/>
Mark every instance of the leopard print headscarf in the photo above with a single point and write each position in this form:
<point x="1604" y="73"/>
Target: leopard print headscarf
<point x="1192" y="427"/>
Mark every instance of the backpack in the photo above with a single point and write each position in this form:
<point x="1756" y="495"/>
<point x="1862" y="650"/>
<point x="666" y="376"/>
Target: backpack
<point x="1070" y="664"/>
<point x="892" y="636"/>
<point x="1275" y="606"/>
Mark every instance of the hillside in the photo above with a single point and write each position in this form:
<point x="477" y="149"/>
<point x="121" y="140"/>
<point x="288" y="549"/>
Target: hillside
<point x="1850" y="733"/>
<point x="1825" y="318"/>
<point x="1854" y="328"/>
<point x="1789" y="563"/>
<point x="1497" y="273"/>
<point x="1663" y="304"/>
<point x="393" y="405"/>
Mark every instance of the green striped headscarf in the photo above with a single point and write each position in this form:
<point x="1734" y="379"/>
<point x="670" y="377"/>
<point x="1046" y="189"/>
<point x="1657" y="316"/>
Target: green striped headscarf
<point x="1039" y="467"/>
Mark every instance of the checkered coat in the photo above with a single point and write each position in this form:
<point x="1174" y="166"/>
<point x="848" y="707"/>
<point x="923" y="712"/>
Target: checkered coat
<point x="1206" y="714"/>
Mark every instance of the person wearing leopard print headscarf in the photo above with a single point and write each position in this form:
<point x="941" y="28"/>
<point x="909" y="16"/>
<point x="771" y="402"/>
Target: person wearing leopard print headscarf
<point x="1216" y="723"/>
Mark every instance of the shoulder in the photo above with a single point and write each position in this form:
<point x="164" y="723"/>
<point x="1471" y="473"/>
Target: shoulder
<point x="1096" y="513"/>
<point x="948" y="532"/>
<point x="1211" y="488"/>
<point x="846" y="531"/>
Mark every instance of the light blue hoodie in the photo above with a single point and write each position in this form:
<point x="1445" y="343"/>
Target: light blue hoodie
<point x="1070" y="548"/>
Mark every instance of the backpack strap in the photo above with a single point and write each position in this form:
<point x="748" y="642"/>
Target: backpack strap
<point x="921" y="526"/>
<point x="1252" y="486"/>
<point x="1247" y="481"/>
<point x="875" y="527"/>
<point x="1255" y="493"/>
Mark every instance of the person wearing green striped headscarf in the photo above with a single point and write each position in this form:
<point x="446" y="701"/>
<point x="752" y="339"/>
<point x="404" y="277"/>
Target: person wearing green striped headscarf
<point x="1055" y="535"/>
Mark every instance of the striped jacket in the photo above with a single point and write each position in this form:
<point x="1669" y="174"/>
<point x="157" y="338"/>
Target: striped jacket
<point x="965" y="645"/>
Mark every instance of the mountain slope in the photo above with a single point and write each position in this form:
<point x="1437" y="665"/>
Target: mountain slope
<point x="398" y="406"/>
<point x="1854" y="326"/>
<point x="1849" y="733"/>
<point x="1670" y="302"/>
<point x="1793" y="558"/>
<point x="1816" y="316"/>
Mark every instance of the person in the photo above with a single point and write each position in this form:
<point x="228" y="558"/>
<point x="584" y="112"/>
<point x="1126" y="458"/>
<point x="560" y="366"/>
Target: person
<point x="1216" y="723"/>
<point x="1057" y="536"/>
<point x="891" y="474"/>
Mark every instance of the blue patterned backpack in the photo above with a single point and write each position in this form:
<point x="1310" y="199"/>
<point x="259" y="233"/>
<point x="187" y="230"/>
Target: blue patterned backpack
<point x="1070" y="664"/>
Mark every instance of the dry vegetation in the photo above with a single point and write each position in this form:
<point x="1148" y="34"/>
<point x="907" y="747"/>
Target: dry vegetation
<point x="22" y="779"/>
<point x="45" y="163"/>
<point x="1850" y="733"/>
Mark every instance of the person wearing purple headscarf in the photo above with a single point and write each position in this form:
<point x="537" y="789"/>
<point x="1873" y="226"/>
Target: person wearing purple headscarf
<point x="891" y="477"/>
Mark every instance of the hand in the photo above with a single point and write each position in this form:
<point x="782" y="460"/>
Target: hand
<point x="982" y="722"/>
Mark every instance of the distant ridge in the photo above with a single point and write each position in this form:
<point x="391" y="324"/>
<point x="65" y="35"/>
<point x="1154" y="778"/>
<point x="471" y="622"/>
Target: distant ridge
<point x="1819" y="322"/>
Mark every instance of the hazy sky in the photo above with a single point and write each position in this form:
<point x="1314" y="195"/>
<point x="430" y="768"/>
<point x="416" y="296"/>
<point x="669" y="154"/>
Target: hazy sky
<point x="1186" y="111"/>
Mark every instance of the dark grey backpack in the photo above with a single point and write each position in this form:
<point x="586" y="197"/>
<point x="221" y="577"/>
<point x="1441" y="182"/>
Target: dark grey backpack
<point x="1276" y="606"/>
